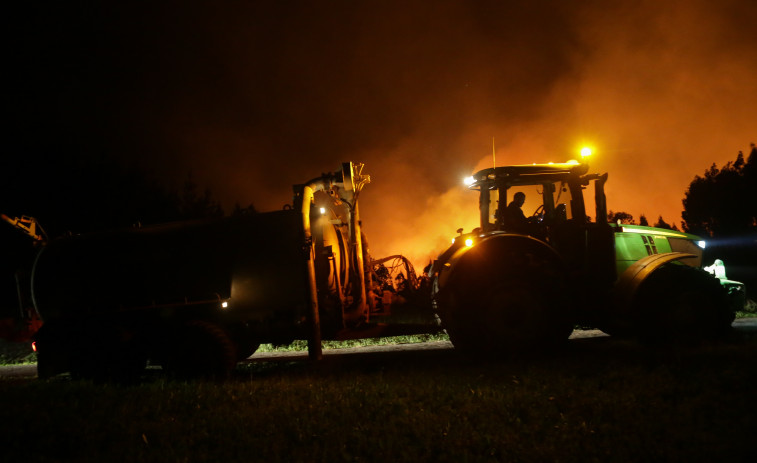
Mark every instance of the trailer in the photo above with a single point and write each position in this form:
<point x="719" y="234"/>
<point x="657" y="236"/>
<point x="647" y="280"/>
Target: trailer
<point x="196" y="297"/>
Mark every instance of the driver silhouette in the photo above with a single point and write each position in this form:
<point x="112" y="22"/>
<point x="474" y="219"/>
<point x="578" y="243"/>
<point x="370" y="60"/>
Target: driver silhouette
<point x="514" y="219"/>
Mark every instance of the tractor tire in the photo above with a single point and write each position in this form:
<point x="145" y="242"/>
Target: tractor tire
<point x="681" y="304"/>
<point x="515" y="304"/>
<point x="510" y="317"/>
<point x="199" y="349"/>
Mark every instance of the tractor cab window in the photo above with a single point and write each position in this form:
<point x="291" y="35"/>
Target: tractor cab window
<point x="562" y="202"/>
<point x="544" y="204"/>
<point x="494" y="205"/>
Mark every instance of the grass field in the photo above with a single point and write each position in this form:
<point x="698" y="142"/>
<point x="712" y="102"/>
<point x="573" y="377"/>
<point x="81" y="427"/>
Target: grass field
<point x="596" y="399"/>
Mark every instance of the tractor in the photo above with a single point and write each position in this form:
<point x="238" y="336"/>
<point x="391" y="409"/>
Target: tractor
<point x="517" y="283"/>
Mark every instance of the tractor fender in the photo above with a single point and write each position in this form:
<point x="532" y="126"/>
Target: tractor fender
<point x="486" y="252"/>
<point x="631" y="279"/>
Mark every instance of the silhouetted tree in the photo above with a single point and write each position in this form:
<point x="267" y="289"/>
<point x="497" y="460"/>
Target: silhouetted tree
<point x="722" y="205"/>
<point x="192" y="205"/>
<point x="83" y="193"/>
<point x="623" y="217"/>
<point x="722" y="202"/>
<point x="661" y="223"/>
<point x="238" y="209"/>
<point x="643" y="220"/>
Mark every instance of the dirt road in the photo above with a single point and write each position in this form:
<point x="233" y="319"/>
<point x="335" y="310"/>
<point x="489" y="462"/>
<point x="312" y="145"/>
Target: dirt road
<point x="745" y="327"/>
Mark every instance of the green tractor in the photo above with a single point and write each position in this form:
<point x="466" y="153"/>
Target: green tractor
<point x="525" y="281"/>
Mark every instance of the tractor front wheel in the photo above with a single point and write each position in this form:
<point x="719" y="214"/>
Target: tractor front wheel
<point x="679" y="303"/>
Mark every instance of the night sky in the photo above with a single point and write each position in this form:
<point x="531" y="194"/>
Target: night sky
<point x="252" y="97"/>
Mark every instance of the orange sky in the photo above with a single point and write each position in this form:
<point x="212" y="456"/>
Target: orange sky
<point x="660" y="89"/>
<point x="252" y="97"/>
<point x="661" y="93"/>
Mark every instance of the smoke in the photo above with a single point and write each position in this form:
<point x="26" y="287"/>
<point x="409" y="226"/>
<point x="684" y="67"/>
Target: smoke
<point x="254" y="97"/>
<point x="660" y="91"/>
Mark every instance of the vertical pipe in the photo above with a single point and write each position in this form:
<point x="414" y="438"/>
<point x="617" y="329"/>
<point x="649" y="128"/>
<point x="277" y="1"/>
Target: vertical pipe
<point x="315" y="350"/>
<point x="600" y="199"/>
<point x="357" y="245"/>
<point x="483" y="207"/>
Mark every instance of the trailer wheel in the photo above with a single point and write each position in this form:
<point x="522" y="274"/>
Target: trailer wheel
<point x="52" y="350"/>
<point x="107" y="352"/>
<point x="200" y="349"/>
<point x="244" y="340"/>
<point x="679" y="303"/>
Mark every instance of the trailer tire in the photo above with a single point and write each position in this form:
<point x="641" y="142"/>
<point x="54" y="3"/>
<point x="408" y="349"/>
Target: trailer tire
<point x="199" y="349"/>
<point x="107" y="352"/>
<point x="52" y="350"/>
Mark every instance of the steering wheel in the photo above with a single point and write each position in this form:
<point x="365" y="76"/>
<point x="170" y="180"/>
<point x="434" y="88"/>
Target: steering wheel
<point x="538" y="214"/>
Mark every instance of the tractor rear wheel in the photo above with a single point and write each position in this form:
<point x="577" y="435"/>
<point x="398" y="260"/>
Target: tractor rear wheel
<point x="506" y="295"/>
<point x="513" y="316"/>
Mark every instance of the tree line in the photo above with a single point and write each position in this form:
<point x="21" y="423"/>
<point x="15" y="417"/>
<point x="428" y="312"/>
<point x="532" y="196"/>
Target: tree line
<point x="721" y="206"/>
<point x="72" y="194"/>
<point x="721" y="203"/>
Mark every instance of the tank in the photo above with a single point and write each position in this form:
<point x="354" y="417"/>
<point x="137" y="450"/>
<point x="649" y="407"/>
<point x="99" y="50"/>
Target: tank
<point x="249" y="262"/>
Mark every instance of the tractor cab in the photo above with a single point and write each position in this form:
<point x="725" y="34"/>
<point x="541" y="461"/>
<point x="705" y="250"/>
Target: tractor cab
<point x="553" y="212"/>
<point x="554" y="194"/>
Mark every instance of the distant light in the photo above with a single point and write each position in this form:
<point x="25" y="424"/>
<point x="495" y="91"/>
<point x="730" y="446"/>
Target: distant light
<point x="224" y="304"/>
<point x="469" y="180"/>
<point x="585" y="152"/>
<point x="469" y="242"/>
<point x="701" y="244"/>
<point x="323" y="210"/>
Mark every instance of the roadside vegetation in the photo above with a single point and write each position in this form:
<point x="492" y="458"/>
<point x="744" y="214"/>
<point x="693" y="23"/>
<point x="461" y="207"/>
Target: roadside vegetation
<point x="594" y="399"/>
<point x="21" y="353"/>
<point x="12" y="353"/>
<point x="749" y="310"/>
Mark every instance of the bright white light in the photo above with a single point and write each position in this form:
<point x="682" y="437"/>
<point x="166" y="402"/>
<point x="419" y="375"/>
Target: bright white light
<point x="453" y="240"/>
<point x="585" y="152"/>
<point x="224" y="304"/>
<point x="469" y="180"/>
<point x="701" y="244"/>
<point x="323" y="210"/>
<point x="469" y="242"/>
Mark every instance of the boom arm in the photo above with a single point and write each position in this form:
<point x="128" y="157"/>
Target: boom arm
<point x="29" y="226"/>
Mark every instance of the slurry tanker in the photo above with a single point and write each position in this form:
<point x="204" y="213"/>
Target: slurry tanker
<point x="197" y="297"/>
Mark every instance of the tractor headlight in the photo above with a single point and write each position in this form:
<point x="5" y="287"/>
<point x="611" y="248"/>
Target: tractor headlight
<point x="701" y="244"/>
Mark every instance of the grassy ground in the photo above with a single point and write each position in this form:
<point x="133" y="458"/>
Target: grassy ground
<point x="750" y="310"/>
<point x="596" y="399"/>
